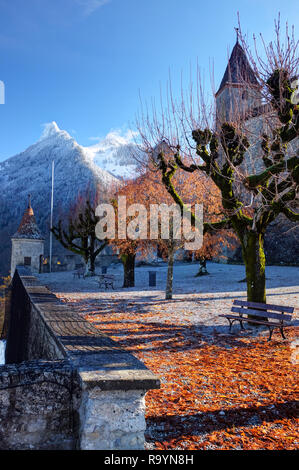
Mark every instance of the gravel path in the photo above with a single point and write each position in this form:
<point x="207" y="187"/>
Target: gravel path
<point x="196" y="300"/>
<point x="218" y="391"/>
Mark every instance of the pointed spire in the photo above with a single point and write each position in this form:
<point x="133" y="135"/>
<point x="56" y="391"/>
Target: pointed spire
<point x="28" y="227"/>
<point x="238" y="70"/>
<point x="30" y="210"/>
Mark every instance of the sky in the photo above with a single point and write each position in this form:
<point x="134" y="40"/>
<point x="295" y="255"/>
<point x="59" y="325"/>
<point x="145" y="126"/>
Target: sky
<point x="85" y="63"/>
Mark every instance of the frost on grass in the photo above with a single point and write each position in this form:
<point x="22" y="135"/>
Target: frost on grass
<point x="218" y="391"/>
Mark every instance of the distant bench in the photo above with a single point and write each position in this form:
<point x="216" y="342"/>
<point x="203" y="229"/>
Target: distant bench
<point x="264" y="311"/>
<point x="106" y="280"/>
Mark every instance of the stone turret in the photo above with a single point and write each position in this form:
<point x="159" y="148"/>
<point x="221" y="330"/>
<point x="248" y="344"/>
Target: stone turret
<point x="239" y="91"/>
<point x="27" y="243"/>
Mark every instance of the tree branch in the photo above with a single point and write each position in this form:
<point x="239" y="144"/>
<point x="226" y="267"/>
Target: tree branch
<point x="291" y="215"/>
<point x="256" y="180"/>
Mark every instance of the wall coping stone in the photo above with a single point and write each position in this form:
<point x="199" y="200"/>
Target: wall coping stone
<point x="98" y="359"/>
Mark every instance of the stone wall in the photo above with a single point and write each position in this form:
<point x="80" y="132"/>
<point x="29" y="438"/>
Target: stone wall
<point x="113" y="419"/>
<point x="235" y="100"/>
<point x="66" y="385"/>
<point x="30" y="248"/>
<point x="29" y="336"/>
<point x="70" y="262"/>
<point x="38" y="406"/>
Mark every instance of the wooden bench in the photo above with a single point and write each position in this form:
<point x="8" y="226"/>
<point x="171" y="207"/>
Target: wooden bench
<point x="106" y="280"/>
<point x="264" y="311"/>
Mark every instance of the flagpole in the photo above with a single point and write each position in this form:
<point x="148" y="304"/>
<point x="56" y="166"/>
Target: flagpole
<point x="51" y="221"/>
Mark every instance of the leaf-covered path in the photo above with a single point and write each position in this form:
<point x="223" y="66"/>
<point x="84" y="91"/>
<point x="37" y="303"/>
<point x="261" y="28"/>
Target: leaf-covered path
<point x="218" y="391"/>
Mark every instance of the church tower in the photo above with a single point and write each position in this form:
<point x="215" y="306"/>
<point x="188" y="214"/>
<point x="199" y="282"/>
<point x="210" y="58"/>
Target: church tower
<point x="27" y="243"/>
<point x="239" y="92"/>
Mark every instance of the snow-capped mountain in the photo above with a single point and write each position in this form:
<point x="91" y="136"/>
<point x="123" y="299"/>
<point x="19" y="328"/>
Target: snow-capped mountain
<point x="30" y="171"/>
<point x="116" y="154"/>
<point x="76" y="169"/>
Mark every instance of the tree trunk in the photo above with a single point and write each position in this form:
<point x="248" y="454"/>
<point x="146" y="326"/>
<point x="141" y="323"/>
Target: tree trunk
<point x="92" y="255"/>
<point x="169" y="282"/>
<point x="203" y="268"/>
<point x="255" y="262"/>
<point x="92" y="265"/>
<point x="128" y="261"/>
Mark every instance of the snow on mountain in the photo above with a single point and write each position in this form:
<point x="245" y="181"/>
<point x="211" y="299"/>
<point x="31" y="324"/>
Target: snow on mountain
<point x="50" y="129"/>
<point x="76" y="166"/>
<point x="115" y="154"/>
<point x="76" y="170"/>
<point x="30" y="171"/>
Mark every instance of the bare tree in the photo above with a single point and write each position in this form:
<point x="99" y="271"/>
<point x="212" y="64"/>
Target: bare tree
<point x="251" y="153"/>
<point x="79" y="236"/>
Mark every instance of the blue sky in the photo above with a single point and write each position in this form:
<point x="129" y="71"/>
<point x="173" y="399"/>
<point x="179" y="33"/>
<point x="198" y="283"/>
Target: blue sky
<point x="82" y="63"/>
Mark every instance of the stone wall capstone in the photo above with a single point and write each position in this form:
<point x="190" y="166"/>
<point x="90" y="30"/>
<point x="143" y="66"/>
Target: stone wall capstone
<point x="66" y="385"/>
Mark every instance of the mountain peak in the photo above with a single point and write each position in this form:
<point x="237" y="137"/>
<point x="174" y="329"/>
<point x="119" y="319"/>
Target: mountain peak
<point x="113" y="139"/>
<point x="50" y="129"/>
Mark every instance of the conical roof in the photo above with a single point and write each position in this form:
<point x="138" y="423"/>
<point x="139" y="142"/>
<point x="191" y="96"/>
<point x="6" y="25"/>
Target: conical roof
<point x="28" y="227"/>
<point x="238" y="70"/>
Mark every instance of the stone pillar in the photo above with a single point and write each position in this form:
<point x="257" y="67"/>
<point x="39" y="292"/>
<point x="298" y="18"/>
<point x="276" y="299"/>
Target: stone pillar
<point x="112" y="410"/>
<point x="112" y="420"/>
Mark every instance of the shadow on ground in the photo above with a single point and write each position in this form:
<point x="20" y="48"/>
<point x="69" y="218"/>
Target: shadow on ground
<point x="176" y="426"/>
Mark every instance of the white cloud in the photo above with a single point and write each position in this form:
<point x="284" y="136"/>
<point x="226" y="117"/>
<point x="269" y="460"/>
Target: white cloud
<point x="89" y="6"/>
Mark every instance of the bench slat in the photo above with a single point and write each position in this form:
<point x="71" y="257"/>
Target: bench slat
<point x="256" y="305"/>
<point x="260" y="313"/>
<point x="267" y="323"/>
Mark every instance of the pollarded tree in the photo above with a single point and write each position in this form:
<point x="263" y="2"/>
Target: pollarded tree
<point x="146" y="197"/>
<point x="256" y="168"/>
<point x="79" y="234"/>
<point x="191" y="189"/>
<point x="128" y="243"/>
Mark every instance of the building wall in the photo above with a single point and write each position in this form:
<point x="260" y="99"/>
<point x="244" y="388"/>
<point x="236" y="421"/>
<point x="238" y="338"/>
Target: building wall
<point x="282" y="235"/>
<point x="235" y="101"/>
<point x="67" y="261"/>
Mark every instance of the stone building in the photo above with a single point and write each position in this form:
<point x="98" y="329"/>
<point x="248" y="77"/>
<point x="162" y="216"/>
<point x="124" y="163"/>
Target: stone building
<point x="239" y="92"/>
<point x="28" y="250"/>
<point x="239" y="99"/>
<point x="27" y="243"/>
